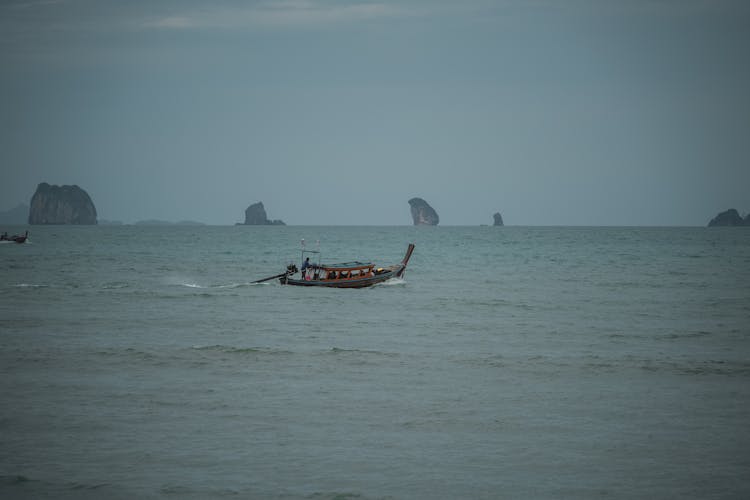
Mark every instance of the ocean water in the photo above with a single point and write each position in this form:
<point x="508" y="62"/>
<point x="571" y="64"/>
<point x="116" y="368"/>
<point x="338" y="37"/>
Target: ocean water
<point x="513" y="362"/>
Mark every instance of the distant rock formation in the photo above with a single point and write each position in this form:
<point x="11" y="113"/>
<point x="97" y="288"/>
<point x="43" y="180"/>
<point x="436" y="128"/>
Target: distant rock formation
<point x="730" y="218"/>
<point x="15" y="216"/>
<point x="61" y="205"/>
<point x="255" y="215"/>
<point x="157" y="222"/>
<point x="422" y="213"/>
<point x="152" y="222"/>
<point x="498" y="219"/>
<point x="189" y="223"/>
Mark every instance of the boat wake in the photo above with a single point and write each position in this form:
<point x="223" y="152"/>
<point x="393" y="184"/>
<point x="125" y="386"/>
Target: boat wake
<point x="393" y="282"/>
<point x="229" y="286"/>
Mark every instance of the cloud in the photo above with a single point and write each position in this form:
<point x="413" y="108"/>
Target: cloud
<point x="286" y="13"/>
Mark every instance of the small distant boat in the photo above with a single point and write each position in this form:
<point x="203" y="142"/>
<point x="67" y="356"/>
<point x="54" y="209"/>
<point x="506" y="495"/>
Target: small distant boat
<point x="15" y="238"/>
<point x="340" y="275"/>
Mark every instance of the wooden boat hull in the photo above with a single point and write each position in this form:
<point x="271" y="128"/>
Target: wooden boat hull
<point x="346" y="283"/>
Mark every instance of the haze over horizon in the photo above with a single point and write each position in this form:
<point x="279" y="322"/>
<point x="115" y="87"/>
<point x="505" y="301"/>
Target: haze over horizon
<point x="337" y="113"/>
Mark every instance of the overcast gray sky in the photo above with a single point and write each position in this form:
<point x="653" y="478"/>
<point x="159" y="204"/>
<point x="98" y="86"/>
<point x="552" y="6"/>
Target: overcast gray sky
<point x="580" y="112"/>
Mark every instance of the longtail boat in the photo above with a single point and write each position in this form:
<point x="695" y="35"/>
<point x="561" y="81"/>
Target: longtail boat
<point x="341" y="275"/>
<point x="15" y="238"/>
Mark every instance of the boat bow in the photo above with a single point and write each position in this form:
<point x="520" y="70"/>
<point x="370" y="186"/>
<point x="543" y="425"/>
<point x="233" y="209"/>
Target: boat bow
<point x="405" y="260"/>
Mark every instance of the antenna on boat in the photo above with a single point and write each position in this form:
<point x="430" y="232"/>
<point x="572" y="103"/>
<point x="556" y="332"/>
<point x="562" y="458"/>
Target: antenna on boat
<point x="303" y="243"/>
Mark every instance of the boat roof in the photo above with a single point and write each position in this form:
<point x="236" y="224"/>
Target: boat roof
<point x="347" y="265"/>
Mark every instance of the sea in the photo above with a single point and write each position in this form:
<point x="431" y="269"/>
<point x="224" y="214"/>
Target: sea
<point x="509" y="362"/>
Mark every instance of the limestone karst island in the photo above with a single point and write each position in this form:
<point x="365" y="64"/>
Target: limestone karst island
<point x="255" y="215"/>
<point x="730" y="217"/>
<point x="53" y="204"/>
<point x="422" y="213"/>
<point x="498" y="219"/>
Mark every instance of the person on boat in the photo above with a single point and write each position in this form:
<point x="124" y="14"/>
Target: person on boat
<point x="305" y="266"/>
<point x="4" y="236"/>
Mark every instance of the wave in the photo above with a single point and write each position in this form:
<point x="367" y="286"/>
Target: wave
<point x="228" y="349"/>
<point x="338" y="350"/>
<point x="699" y="367"/>
<point x="85" y="486"/>
<point x="678" y="335"/>
<point x="393" y="282"/>
<point x="13" y="479"/>
<point x="603" y="364"/>
<point x="114" y="285"/>
<point x="240" y="350"/>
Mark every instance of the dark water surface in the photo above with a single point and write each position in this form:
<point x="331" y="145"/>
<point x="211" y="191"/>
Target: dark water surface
<point x="140" y="362"/>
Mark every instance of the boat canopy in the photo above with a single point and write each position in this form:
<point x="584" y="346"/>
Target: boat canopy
<point x="314" y="256"/>
<point x="346" y="265"/>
